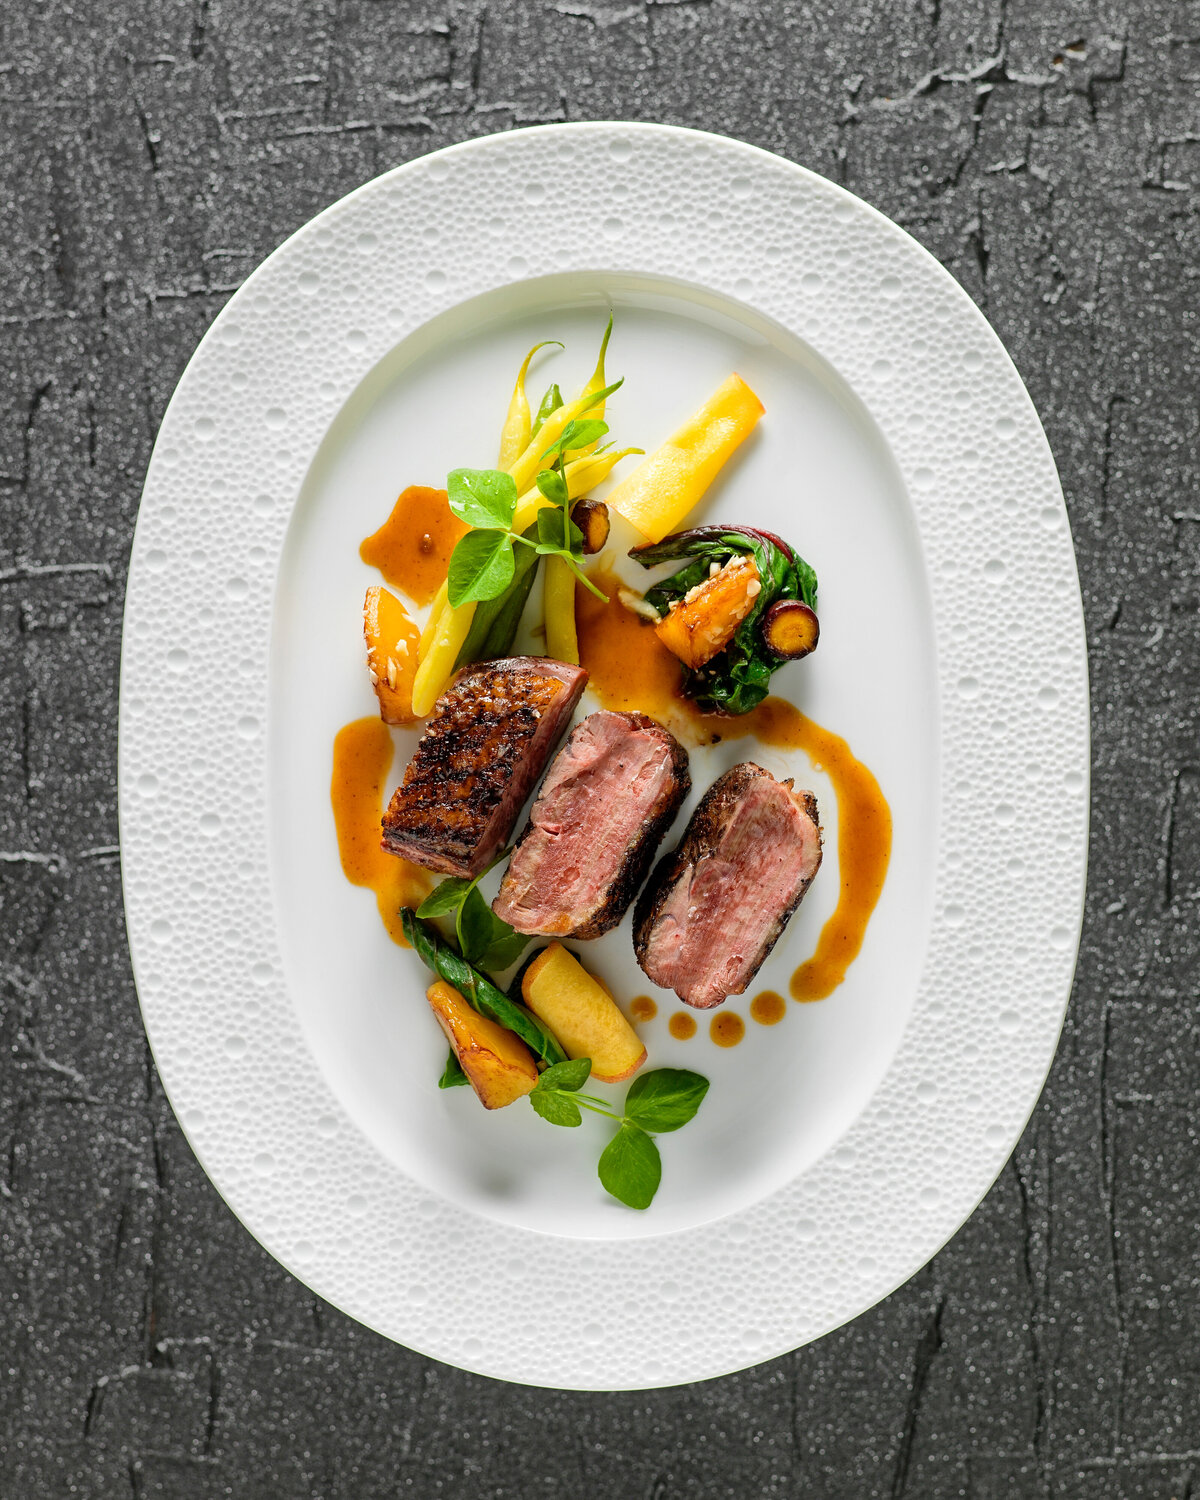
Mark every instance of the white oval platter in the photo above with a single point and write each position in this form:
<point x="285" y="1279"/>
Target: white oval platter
<point x="900" y="453"/>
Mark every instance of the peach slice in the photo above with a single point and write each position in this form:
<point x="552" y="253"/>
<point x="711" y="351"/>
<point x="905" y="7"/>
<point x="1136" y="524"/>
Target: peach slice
<point x="582" y="1014"/>
<point x="392" y="642"/>
<point x="498" y="1065"/>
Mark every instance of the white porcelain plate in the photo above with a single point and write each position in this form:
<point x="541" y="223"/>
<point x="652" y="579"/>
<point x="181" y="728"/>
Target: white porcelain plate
<point x="837" y="1150"/>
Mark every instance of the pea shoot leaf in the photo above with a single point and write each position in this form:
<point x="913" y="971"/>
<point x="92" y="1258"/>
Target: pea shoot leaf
<point x="446" y="897"/>
<point x="481" y="567"/>
<point x="559" y="1109"/>
<point x="577" y="434"/>
<point x="665" y="1099"/>
<point x="553" y="486"/>
<point x="630" y="1167"/>
<point x="503" y="951"/>
<point x="566" y="1075"/>
<point x="485" y="498"/>
<point x="453" y="1077"/>
<point x="484" y="937"/>
<point x="550" y="532"/>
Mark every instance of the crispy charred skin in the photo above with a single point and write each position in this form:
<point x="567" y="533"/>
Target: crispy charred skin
<point x="616" y="888"/>
<point x="703" y="838"/>
<point x="488" y="741"/>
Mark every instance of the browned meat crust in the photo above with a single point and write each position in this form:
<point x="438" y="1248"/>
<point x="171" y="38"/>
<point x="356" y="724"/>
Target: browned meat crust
<point x="490" y="736"/>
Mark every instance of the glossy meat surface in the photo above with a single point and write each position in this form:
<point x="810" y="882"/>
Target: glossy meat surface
<point x="715" y="907"/>
<point x="608" y="798"/>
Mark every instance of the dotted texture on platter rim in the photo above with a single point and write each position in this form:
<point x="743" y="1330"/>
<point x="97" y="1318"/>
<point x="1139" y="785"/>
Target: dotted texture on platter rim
<point x="230" y="459"/>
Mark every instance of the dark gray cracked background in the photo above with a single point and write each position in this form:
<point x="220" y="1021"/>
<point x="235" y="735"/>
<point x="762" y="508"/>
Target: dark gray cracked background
<point x="150" y="155"/>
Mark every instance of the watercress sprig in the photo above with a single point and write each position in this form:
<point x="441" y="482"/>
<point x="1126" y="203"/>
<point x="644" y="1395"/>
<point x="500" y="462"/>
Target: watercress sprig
<point x="630" y="1167"/>
<point x="483" y="937"/>
<point x="483" y="564"/>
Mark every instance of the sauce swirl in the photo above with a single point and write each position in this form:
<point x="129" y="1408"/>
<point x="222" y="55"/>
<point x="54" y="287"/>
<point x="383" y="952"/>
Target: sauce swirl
<point x="362" y="757"/>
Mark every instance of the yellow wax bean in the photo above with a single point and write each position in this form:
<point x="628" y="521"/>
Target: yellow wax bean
<point x="436" y="610"/>
<point x="581" y="475"/>
<point x="558" y="603"/>
<point x="437" y="663"/>
<point x="597" y="383"/>
<point x="661" y="491"/>
<point x="527" y="467"/>
<point x="447" y="629"/>
<point x="514" y="439"/>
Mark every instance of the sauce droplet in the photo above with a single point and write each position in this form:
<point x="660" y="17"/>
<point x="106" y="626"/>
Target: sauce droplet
<point x="643" y="1008"/>
<point x="768" y="1008"/>
<point x="412" y="548"/>
<point x="727" y="1029"/>
<point x="362" y="757"/>
<point x="682" y="1026"/>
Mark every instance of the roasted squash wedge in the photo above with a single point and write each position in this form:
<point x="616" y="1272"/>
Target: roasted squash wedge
<point x="392" y="644"/>
<point x="706" y="619"/>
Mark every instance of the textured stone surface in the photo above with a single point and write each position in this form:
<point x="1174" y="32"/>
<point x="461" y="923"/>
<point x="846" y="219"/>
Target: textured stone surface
<point x="150" y="155"/>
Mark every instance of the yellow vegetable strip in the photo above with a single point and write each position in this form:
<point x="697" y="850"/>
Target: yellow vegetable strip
<point x="660" y="492"/>
<point x="558" y="602"/>
<point x="514" y="439"/>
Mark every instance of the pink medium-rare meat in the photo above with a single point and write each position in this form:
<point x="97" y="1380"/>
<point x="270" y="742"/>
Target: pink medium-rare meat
<point x="490" y="736"/>
<point x="714" y="908"/>
<point x="611" y="793"/>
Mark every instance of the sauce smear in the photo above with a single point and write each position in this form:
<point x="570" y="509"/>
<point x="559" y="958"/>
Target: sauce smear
<point x="631" y="671"/>
<point x="768" y="1008"/>
<point x="727" y="1029"/>
<point x="362" y="757"/>
<point x="643" y="1008"/>
<point x="630" y="668"/>
<point x="682" y="1026"/>
<point x="412" y="548"/>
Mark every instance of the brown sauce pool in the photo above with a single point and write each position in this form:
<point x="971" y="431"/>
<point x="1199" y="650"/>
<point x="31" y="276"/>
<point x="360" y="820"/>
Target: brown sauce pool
<point x="362" y="757"/>
<point x="412" y="548"/>
<point x="727" y="1028"/>
<point x="631" y="669"/>
<point x="682" y="1026"/>
<point x="768" y="1008"/>
<point x="642" y="1008"/>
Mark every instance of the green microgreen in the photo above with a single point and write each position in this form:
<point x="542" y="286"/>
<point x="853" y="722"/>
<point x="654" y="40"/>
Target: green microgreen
<point x="630" y="1167"/>
<point x="483" y="938"/>
<point x="550" y="403"/>
<point x="482" y="566"/>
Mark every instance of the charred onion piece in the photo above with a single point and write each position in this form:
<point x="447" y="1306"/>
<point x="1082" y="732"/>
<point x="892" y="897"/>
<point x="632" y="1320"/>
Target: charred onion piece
<point x="591" y="516"/>
<point x="790" y="629"/>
